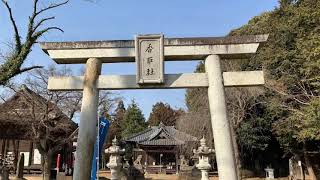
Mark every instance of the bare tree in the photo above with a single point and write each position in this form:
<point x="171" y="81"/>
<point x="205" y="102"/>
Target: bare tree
<point x="197" y="121"/>
<point x="41" y="121"/>
<point x="197" y="124"/>
<point x="50" y="112"/>
<point x="239" y="103"/>
<point x="50" y="131"/>
<point x="68" y="101"/>
<point x="13" y="61"/>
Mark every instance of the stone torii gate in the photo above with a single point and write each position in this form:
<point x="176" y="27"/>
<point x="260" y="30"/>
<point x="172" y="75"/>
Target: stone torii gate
<point x="211" y="49"/>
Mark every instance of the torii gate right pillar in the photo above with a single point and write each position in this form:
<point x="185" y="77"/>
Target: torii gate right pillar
<point x="219" y="120"/>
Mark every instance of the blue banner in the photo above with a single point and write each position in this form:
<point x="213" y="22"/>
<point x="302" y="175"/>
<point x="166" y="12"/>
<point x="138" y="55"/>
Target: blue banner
<point x="103" y="130"/>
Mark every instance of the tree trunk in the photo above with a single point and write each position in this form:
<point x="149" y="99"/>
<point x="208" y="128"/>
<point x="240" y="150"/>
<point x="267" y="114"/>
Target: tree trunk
<point x="46" y="165"/>
<point x="30" y="155"/>
<point x="236" y="151"/>
<point x="311" y="172"/>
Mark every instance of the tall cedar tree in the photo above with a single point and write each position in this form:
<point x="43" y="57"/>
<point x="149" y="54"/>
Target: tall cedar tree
<point x="116" y="121"/>
<point x="163" y="113"/>
<point x="134" y="120"/>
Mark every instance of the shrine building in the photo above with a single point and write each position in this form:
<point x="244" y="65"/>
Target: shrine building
<point x="158" y="147"/>
<point x="16" y="116"/>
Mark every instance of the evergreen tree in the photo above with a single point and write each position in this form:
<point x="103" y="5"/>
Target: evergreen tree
<point x="291" y="61"/>
<point x="288" y="108"/>
<point x="115" y="124"/>
<point x="134" y="120"/>
<point x="163" y="113"/>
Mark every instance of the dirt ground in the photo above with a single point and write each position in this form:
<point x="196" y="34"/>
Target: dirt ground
<point x="160" y="177"/>
<point x="105" y="174"/>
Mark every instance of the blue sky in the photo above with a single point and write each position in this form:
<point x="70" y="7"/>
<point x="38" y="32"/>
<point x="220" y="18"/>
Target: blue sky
<point x="122" y="19"/>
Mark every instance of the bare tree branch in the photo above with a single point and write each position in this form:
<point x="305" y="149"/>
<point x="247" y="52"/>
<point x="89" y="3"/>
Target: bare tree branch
<point x="12" y="64"/>
<point x="30" y="68"/>
<point x="31" y="20"/>
<point x="41" y="22"/>
<point x="16" y="31"/>
<point x="51" y="6"/>
<point x="40" y="33"/>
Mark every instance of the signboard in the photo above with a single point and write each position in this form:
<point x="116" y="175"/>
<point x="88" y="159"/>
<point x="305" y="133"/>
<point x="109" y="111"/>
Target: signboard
<point x="149" y="59"/>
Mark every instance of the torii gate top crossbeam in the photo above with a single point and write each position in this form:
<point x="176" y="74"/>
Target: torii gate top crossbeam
<point x="230" y="47"/>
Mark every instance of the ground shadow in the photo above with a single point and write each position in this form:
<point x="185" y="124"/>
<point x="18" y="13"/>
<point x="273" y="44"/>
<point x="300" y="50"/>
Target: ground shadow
<point x="103" y="178"/>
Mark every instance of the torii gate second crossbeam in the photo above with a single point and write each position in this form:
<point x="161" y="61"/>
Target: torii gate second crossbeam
<point x="94" y="53"/>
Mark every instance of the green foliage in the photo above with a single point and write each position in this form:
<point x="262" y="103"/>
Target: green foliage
<point x="163" y="113"/>
<point x="197" y="98"/>
<point x="289" y="108"/>
<point x="310" y="121"/>
<point x="255" y="131"/>
<point x="301" y="126"/>
<point x="291" y="61"/>
<point x="134" y="120"/>
<point x="116" y="121"/>
<point x="254" y="134"/>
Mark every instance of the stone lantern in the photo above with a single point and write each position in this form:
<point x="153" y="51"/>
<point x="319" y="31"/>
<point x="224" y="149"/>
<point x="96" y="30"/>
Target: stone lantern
<point x="203" y="152"/>
<point x="115" y="164"/>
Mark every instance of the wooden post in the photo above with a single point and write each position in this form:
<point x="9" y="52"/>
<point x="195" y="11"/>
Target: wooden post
<point x="3" y="146"/>
<point x="6" y="147"/>
<point x="30" y="156"/>
<point x="20" y="167"/>
<point x="220" y="124"/>
<point x="177" y="160"/>
<point x="88" y="121"/>
<point x="15" y="144"/>
<point x="147" y="155"/>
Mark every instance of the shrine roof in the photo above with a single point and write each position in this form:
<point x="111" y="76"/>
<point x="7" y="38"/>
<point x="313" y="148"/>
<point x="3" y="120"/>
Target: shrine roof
<point x="16" y="114"/>
<point x="161" y="136"/>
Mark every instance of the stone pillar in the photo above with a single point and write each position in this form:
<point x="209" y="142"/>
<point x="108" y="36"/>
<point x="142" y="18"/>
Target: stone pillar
<point x="219" y="121"/>
<point x="88" y="121"/>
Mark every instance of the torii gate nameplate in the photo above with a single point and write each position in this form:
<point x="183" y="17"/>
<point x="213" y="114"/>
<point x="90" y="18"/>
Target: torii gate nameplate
<point x="149" y="59"/>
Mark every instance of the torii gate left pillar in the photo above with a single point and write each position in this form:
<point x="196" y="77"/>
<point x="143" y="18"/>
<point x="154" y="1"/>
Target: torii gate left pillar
<point x="210" y="49"/>
<point x="88" y="120"/>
